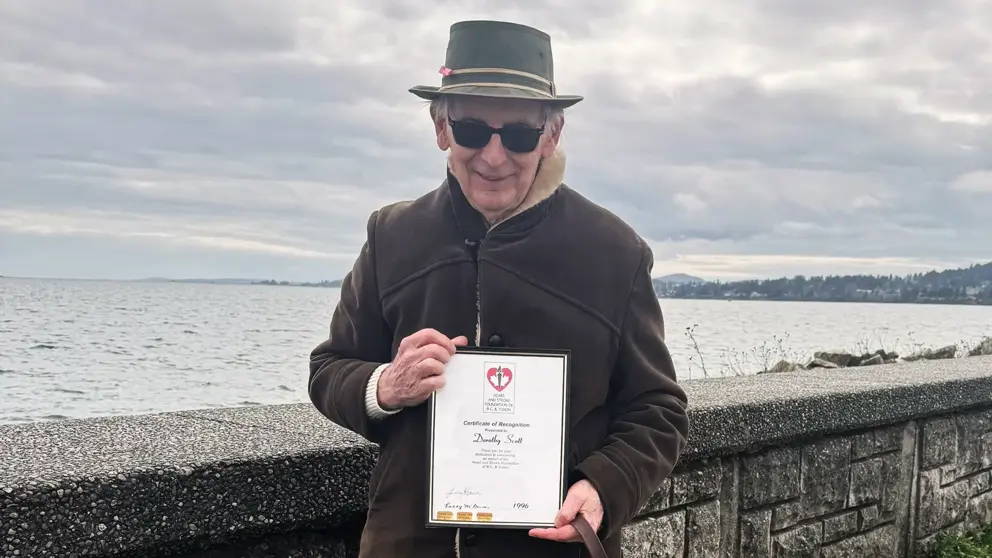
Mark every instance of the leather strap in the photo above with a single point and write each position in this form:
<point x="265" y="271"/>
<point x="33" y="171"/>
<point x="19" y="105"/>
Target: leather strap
<point x="589" y="537"/>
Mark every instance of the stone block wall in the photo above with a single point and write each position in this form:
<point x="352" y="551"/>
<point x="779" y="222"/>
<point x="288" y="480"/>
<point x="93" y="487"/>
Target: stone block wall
<point x="886" y="491"/>
<point x="955" y="474"/>
<point x="815" y="463"/>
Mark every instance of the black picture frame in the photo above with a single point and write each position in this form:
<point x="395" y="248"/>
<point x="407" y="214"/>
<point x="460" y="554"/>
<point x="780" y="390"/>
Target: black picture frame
<point x="564" y="354"/>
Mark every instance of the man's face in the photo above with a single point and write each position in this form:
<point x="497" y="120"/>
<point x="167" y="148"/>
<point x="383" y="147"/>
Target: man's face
<point x="494" y="177"/>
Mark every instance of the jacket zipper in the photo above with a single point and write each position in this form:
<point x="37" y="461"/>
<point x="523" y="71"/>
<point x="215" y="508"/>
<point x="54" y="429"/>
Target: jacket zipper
<point x="475" y="246"/>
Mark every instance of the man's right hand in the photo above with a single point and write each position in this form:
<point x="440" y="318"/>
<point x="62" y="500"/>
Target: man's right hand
<point x="417" y="370"/>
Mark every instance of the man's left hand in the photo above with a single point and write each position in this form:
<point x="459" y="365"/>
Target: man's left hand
<point x="581" y="498"/>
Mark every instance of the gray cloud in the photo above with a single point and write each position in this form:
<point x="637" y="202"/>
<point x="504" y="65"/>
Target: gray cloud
<point x="223" y="137"/>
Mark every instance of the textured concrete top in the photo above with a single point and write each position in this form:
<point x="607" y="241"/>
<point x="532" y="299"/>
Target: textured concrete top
<point x="176" y="481"/>
<point x="185" y="479"/>
<point x="729" y="415"/>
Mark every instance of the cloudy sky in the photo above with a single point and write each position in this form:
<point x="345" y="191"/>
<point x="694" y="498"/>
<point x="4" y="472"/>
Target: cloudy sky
<point x="251" y="138"/>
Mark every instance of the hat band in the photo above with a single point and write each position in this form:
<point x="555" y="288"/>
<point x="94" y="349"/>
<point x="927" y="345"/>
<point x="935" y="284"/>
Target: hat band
<point x="505" y="71"/>
<point x="497" y="84"/>
<point x="505" y="77"/>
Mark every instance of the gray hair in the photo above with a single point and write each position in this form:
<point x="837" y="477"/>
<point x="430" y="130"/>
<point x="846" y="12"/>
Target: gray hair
<point x="440" y="108"/>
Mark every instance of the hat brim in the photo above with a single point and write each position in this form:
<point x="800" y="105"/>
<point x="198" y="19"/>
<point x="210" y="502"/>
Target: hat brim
<point x="494" y="91"/>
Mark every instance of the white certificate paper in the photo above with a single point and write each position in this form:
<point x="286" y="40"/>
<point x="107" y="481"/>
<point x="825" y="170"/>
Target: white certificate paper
<point x="498" y="430"/>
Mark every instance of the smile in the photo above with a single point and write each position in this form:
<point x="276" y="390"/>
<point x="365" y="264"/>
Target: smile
<point x="492" y="178"/>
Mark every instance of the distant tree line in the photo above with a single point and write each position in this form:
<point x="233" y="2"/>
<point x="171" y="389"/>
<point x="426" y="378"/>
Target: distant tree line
<point x="971" y="285"/>
<point x="332" y="284"/>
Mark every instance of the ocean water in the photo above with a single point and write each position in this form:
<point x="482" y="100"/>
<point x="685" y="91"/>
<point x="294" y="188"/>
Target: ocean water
<point x="87" y="348"/>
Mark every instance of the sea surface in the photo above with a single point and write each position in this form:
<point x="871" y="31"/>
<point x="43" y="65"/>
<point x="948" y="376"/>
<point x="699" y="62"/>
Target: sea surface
<point x="73" y="348"/>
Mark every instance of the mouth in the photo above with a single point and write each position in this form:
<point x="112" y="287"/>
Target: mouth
<point x="491" y="178"/>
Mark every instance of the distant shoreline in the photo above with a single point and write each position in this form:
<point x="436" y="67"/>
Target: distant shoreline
<point x="327" y="284"/>
<point x="841" y="301"/>
<point x="969" y="286"/>
<point x="928" y="289"/>
<point x="235" y="282"/>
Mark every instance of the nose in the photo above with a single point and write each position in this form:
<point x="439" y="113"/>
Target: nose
<point x="493" y="153"/>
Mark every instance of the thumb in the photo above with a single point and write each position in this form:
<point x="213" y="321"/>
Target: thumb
<point x="569" y="508"/>
<point x="460" y="340"/>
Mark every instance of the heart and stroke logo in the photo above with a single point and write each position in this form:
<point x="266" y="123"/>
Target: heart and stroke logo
<point x="498" y="387"/>
<point x="499" y="377"/>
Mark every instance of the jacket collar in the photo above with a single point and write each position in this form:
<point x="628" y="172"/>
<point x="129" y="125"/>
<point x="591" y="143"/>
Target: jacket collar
<point x="530" y="211"/>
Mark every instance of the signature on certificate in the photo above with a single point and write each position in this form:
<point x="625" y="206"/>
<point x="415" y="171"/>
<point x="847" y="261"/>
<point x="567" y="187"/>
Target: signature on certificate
<point x="464" y="498"/>
<point x="466" y="491"/>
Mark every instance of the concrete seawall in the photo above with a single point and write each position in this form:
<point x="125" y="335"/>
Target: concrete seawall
<point x="856" y="462"/>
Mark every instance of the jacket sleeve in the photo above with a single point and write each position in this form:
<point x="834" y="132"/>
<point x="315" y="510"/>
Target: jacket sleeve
<point x="649" y="425"/>
<point x="359" y="343"/>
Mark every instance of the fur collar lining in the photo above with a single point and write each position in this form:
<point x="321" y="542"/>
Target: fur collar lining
<point x="550" y="175"/>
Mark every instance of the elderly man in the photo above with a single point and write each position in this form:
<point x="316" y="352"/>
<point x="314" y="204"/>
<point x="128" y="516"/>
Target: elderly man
<point x="502" y="254"/>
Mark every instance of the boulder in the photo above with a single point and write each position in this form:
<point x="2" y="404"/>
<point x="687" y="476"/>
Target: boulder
<point x="840" y="359"/>
<point x="822" y="363"/>
<point x="886" y="355"/>
<point x="944" y="352"/>
<point x="873" y="361"/>
<point x="783" y="366"/>
<point x="982" y="349"/>
<point x="935" y="354"/>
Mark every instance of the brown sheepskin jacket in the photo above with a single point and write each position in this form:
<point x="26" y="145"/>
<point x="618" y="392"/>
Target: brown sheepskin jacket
<point x="560" y="273"/>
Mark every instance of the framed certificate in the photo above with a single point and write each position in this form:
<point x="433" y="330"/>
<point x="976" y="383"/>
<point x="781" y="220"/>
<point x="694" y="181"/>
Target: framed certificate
<point x="497" y="434"/>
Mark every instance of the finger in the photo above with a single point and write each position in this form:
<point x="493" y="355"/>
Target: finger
<point x="430" y="367"/>
<point x="431" y="384"/>
<point x="560" y="534"/>
<point x="418" y="338"/>
<point x="461" y="340"/>
<point x="594" y="521"/>
<point x="569" y="508"/>
<point x="430" y="335"/>
<point x="432" y="351"/>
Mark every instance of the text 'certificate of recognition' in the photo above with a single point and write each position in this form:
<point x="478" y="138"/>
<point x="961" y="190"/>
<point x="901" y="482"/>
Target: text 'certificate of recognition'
<point x="498" y="430"/>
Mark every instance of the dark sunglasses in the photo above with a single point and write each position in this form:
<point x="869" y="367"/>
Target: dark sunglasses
<point x="517" y="138"/>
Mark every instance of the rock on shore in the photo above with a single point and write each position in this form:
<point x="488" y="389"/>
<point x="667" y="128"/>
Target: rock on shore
<point x="982" y="349"/>
<point x="842" y="359"/>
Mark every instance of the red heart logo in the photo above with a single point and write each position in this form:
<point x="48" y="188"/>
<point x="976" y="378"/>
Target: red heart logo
<point x="499" y="377"/>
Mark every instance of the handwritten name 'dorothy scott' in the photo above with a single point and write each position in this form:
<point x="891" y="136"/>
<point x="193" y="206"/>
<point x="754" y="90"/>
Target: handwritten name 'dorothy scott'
<point x="496" y="432"/>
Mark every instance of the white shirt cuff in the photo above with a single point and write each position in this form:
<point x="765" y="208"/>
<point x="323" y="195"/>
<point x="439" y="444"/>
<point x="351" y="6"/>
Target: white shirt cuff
<point x="372" y="407"/>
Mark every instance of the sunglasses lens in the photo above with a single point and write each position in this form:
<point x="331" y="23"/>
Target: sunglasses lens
<point x="471" y="134"/>
<point x="475" y="135"/>
<point x="520" y="140"/>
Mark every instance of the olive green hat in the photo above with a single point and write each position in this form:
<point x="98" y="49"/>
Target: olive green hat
<point x="498" y="59"/>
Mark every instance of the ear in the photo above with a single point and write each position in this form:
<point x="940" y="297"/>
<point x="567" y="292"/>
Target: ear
<point x="551" y="139"/>
<point x="441" y="133"/>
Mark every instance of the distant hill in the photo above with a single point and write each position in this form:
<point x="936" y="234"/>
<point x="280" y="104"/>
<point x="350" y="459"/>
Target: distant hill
<point x="217" y="281"/>
<point x="335" y="283"/>
<point x="678" y="278"/>
<point x="659" y="282"/>
<point x="331" y="284"/>
<point x="970" y="285"/>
